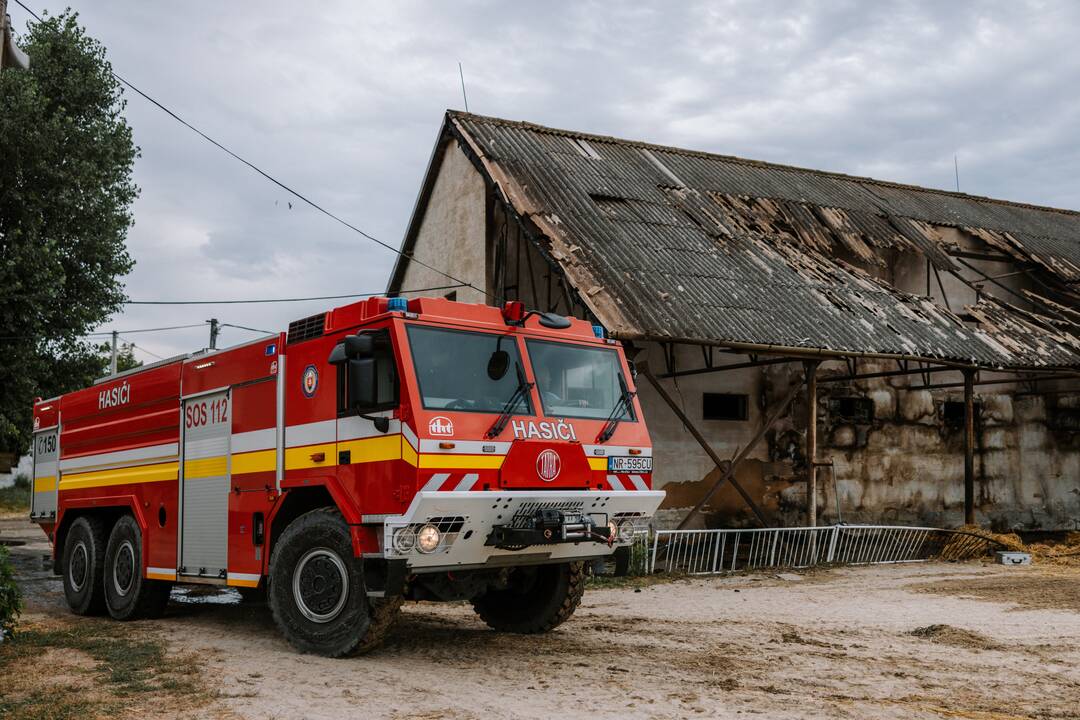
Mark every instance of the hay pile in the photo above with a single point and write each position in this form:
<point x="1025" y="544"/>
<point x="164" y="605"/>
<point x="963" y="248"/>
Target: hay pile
<point x="1063" y="552"/>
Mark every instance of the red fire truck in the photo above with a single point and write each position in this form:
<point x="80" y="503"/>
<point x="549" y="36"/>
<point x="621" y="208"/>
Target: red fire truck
<point x="385" y="450"/>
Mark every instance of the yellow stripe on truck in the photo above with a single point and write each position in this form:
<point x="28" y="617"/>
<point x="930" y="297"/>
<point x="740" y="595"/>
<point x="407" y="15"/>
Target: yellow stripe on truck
<point x="121" y="476"/>
<point x="598" y="463"/>
<point x="466" y="462"/>
<point x="205" y="467"/>
<point x="374" y="449"/>
<point x="45" y="484"/>
<point x="251" y="462"/>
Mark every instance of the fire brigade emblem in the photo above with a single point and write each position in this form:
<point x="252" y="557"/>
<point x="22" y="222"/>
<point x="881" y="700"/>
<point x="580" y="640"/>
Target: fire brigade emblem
<point x="37" y="423"/>
<point x="309" y="383"/>
<point x="548" y="465"/>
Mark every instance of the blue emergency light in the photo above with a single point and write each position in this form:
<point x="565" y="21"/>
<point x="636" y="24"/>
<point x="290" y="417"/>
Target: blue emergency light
<point x="598" y="331"/>
<point x="397" y="304"/>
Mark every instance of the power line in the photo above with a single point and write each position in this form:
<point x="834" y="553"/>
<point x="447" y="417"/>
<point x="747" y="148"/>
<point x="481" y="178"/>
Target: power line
<point x="140" y="347"/>
<point x="145" y="330"/>
<point x="286" y="300"/>
<point x="241" y="327"/>
<point x="270" y="177"/>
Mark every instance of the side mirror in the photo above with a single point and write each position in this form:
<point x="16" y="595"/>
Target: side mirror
<point x="361" y="383"/>
<point x="498" y="364"/>
<point x="359" y="346"/>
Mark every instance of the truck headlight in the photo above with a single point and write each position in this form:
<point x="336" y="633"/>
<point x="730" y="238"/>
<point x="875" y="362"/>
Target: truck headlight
<point x="404" y="540"/>
<point x="626" y="531"/>
<point x="427" y="538"/>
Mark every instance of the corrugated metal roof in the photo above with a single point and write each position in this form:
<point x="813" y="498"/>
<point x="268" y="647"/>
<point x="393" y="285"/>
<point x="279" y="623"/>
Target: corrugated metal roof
<point x="668" y="243"/>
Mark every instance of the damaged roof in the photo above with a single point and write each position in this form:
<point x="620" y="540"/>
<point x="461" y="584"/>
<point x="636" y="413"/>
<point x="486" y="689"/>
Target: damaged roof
<point x="669" y="244"/>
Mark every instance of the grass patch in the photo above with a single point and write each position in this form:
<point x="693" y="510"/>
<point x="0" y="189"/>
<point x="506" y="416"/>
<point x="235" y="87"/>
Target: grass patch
<point x="15" y="498"/>
<point x="633" y="581"/>
<point x="118" y="665"/>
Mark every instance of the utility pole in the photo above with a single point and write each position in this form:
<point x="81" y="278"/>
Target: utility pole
<point x="214" y="330"/>
<point x="112" y="362"/>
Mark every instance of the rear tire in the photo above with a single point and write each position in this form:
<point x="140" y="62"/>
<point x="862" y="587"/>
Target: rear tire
<point x="128" y="594"/>
<point x="316" y="587"/>
<point x="537" y="599"/>
<point x="82" y="566"/>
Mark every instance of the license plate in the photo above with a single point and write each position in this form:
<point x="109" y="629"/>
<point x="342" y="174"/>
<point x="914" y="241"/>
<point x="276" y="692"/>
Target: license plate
<point x="629" y="464"/>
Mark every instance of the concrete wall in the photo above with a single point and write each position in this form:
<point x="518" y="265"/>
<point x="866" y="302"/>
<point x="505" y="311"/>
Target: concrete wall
<point x="452" y="234"/>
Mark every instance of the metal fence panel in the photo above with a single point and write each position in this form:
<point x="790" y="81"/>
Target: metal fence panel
<point x="702" y="552"/>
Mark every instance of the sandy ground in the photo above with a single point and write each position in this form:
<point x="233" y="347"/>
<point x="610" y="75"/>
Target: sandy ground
<point x="934" y="640"/>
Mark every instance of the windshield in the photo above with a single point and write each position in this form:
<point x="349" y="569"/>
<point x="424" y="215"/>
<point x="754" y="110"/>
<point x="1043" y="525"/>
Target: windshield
<point x="451" y="370"/>
<point x="577" y="381"/>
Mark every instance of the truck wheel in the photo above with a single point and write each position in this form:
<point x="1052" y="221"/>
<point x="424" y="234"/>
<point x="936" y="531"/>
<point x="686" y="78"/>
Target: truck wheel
<point x="384" y="614"/>
<point x="536" y="599"/>
<point x="316" y="587"/>
<point x="82" y="566"/>
<point x="129" y="595"/>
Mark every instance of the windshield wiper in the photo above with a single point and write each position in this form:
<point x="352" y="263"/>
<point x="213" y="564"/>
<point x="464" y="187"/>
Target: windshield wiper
<point x="615" y="417"/>
<point x="508" y="409"/>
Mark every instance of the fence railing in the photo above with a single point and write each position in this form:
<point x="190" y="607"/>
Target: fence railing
<point x="716" y="551"/>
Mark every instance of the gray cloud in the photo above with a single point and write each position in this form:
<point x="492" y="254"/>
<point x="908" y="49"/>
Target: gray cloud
<point x="343" y="101"/>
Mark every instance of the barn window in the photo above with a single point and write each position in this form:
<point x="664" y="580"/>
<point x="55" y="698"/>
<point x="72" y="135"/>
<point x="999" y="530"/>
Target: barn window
<point x="855" y="410"/>
<point x="1065" y="418"/>
<point x="724" y="406"/>
<point x="952" y="412"/>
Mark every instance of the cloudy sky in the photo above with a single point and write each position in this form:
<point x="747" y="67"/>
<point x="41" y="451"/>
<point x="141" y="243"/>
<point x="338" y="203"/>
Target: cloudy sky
<point x="342" y="100"/>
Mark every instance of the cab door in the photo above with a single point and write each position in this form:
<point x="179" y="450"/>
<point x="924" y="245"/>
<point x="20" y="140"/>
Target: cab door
<point x="204" y="486"/>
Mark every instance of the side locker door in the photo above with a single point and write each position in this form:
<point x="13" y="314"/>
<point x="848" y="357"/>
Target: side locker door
<point x="46" y="473"/>
<point x="204" y="486"/>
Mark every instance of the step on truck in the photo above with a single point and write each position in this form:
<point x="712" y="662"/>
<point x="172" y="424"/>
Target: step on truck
<point x="391" y="449"/>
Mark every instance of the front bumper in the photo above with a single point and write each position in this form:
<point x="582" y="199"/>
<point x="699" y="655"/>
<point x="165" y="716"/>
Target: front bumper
<point x="465" y="521"/>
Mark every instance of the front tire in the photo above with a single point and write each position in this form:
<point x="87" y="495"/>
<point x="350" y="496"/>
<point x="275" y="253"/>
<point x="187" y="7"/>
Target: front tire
<point x="82" y="566"/>
<point x="316" y="587"/>
<point x="129" y="595"/>
<point x="537" y="598"/>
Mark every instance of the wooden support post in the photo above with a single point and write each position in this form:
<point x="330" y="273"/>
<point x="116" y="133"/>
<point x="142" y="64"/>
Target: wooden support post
<point x="729" y="474"/>
<point x="969" y="447"/>
<point x="811" y="367"/>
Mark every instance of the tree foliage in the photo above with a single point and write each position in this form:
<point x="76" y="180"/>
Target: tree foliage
<point x="65" y="208"/>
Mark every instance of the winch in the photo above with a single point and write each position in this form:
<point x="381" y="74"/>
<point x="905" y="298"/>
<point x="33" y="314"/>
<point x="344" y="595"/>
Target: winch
<point x="548" y="526"/>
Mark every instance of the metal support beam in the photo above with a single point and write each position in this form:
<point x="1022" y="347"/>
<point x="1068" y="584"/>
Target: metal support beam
<point x="811" y="367"/>
<point x="969" y="447"/>
<point x="885" y="374"/>
<point x="729" y="474"/>
<point x="721" y="368"/>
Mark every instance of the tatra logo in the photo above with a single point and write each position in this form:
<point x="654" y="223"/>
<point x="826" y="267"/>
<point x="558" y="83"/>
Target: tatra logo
<point x="548" y="465"/>
<point x="310" y="380"/>
<point x="113" y="397"/>
<point x="441" y="425"/>
<point x="543" y="430"/>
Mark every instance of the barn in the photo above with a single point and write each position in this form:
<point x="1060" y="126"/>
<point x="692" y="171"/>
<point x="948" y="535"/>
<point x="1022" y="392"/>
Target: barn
<point x="811" y="347"/>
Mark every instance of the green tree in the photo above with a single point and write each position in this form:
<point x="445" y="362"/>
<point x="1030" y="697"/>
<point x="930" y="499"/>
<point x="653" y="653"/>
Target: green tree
<point x="66" y="158"/>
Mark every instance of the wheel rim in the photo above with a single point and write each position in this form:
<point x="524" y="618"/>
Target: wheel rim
<point x="320" y="585"/>
<point x="124" y="568"/>
<point x="78" y="566"/>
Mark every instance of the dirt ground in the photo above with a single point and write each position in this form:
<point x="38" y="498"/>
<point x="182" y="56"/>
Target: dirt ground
<point x="970" y="640"/>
